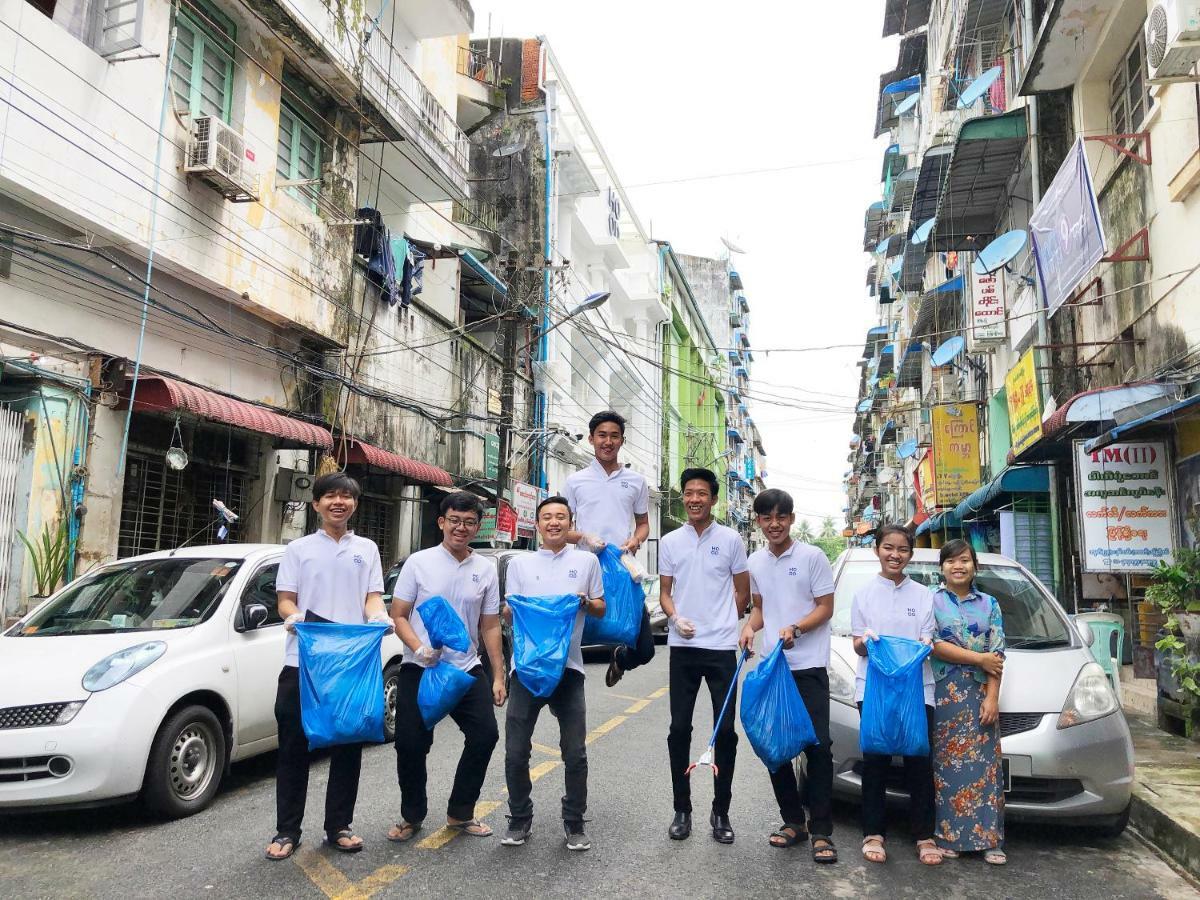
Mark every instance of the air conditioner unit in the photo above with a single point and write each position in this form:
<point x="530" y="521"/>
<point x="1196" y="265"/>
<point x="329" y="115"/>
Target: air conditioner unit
<point x="1172" y="39"/>
<point x="218" y="154"/>
<point x="293" y="487"/>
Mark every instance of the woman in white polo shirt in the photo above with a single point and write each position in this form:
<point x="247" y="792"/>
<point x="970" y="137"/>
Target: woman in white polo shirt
<point x="893" y="604"/>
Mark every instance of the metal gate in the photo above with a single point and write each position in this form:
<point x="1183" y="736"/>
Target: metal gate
<point x="12" y="427"/>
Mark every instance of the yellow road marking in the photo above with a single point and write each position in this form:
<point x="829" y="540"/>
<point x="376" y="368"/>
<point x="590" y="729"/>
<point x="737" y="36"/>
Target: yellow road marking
<point x="661" y="692"/>
<point x="543" y="768"/>
<point x="600" y="730"/>
<point x="445" y="834"/>
<point x="638" y="706"/>
<point x="622" y="696"/>
<point x="335" y="885"/>
<point x="547" y="749"/>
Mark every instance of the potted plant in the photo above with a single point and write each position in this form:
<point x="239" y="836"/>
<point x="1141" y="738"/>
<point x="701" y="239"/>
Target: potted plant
<point x="48" y="554"/>
<point x="1175" y="589"/>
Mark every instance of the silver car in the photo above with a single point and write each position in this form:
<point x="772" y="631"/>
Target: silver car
<point x="1068" y="755"/>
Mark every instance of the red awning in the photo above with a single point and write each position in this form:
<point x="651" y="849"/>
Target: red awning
<point x="157" y="394"/>
<point x="367" y="454"/>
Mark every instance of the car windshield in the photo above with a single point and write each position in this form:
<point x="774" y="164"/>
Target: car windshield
<point x="1031" y="621"/>
<point x="147" y="595"/>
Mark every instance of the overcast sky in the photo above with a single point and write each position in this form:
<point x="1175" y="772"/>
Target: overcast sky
<point x="760" y="85"/>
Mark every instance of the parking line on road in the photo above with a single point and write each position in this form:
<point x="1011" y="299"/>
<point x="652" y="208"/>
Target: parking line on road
<point x="546" y="748"/>
<point x="600" y="730"/>
<point x="335" y="885"/>
<point x="638" y="706"/>
<point x="543" y="768"/>
<point x="445" y="834"/>
<point x="622" y="696"/>
<point x="661" y="692"/>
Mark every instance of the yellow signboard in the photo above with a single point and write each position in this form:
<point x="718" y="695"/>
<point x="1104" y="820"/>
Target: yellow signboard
<point x="926" y="484"/>
<point x="1024" y="403"/>
<point x="955" y="451"/>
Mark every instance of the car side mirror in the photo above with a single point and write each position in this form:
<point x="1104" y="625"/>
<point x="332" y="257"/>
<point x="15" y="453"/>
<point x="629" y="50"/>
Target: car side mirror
<point x="255" y="616"/>
<point x="1085" y="633"/>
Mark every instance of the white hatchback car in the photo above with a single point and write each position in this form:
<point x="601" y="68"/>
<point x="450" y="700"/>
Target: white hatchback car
<point x="146" y="677"/>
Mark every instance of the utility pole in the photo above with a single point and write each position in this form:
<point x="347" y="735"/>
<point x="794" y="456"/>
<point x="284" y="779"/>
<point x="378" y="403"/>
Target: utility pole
<point x="508" y="361"/>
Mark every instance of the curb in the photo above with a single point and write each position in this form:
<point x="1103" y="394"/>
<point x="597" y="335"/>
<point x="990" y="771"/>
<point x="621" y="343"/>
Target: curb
<point x="1181" y="844"/>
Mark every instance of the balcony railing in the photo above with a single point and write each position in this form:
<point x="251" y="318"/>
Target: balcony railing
<point x="478" y="66"/>
<point x="393" y="84"/>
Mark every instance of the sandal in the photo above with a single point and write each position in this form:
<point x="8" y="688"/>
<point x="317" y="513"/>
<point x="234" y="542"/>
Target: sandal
<point x="788" y="835"/>
<point x="947" y="853"/>
<point x="873" y="850"/>
<point x="995" y="857"/>
<point x="823" y="850"/>
<point x="928" y="853"/>
<point x="287" y="846"/>
<point x="473" y="827"/>
<point x="334" y="840"/>
<point x="406" y="831"/>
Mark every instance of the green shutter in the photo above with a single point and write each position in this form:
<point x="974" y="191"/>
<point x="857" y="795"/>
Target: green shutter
<point x="202" y="70"/>
<point x="299" y="153"/>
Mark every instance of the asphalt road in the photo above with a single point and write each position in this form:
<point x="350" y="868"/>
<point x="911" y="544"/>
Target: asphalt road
<point x="119" y="853"/>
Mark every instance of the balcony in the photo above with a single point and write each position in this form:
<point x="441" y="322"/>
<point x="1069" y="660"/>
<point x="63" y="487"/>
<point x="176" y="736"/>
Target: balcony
<point x="478" y="66"/>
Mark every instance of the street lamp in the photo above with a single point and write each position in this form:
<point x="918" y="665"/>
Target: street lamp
<point x="592" y="301"/>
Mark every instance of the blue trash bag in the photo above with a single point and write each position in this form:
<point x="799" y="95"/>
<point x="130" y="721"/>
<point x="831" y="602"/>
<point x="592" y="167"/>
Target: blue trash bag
<point x="341" y="682"/>
<point x="624" y="602"/>
<point x="773" y="712"/>
<point x="442" y="686"/>
<point x="444" y="626"/>
<point x="542" y="628"/>
<point x="893" y="710"/>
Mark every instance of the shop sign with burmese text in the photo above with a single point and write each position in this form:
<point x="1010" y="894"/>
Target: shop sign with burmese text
<point x="1125" y="506"/>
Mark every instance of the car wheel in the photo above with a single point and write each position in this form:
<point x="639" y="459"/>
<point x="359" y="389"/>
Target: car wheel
<point x="1114" y="828"/>
<point x="187" y="760"/>
<point x="391" y="684"/>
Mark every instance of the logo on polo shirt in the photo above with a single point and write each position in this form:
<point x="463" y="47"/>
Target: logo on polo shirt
<point x="714" y="550"/>
<point x="792" y="570"/>
<point x="475" y="578"/>
<point x="627" y="484"/>
<point x="358" y="560"/>
<point x="574" y="573"/>
<point x="912" y="613"/>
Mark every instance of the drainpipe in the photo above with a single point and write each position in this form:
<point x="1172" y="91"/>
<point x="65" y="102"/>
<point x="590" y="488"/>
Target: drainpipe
<point x="541" y="397"/>
<point x="1035" y="160"/>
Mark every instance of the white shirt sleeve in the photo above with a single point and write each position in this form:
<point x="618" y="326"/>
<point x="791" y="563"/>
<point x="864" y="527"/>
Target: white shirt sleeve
<point x="754" y="585"/>
<point x="928" y="622"/>
<point x="666" y="565"/>
<point x="512" y="579"/>
<point x="288" y="576"/>
<point x="641" y="503"/>
<point x="737" y="563"/>
<point x="491" y="599"/>
<point x="406" y="585"/>
<point x="375" y="579"/>
<point x="858" y="621"/>
<point x="820" y="575"/>
<point x="595" y="579"/>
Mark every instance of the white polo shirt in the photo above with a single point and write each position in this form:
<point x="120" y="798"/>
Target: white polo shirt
<point x="605" y="504"/>
<point x="546" y="574"/>
<point x="329" y="577"/>
<point x="788" y="585"/>
<point x="703" y="566"/>
<point x="470" y="587"/>
<point x="899" y="610"/>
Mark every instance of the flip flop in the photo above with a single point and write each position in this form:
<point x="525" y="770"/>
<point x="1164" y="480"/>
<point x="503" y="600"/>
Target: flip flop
<point x="465" y="828"/>
<point x="283" y="840"/>
<point x="404" y="838"/>
<point x="333" y="840"/>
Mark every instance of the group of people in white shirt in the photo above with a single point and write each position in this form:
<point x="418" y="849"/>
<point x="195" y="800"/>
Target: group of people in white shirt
<point x="707" y="583"/>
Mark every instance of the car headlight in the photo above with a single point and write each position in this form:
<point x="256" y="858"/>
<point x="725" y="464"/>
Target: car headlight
<point x="115" y="668"/>
<point x="1091" y="698"/>
<point x="68" y="712"/>
<point x="841" y="680"/>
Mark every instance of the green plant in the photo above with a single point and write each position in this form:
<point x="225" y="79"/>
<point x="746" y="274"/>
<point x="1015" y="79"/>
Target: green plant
<point x="49" y="556"/>
<point x="1175" y="589"/>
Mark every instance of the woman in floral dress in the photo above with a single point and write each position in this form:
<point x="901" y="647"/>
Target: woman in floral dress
<point x="968" y="661"/>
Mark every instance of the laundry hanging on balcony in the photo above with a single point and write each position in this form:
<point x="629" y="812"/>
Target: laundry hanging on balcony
<point x="371" y="240"/>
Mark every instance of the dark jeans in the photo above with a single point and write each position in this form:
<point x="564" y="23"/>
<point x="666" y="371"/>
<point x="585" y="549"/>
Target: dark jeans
<point x="291" y="776"/>
<point x="629" y="658"/>
<point x="568" y="706"/>
<point x="918" y="780"/>
<point x="690" y="665"/>
<point x="813" y="685"/>
<point x="475" y="717"/>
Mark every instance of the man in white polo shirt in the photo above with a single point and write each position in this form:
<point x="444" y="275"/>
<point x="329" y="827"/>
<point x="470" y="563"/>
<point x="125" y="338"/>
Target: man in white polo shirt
<point x="331" y="575"/>
<point x="792" y="588"/>
<point x="554" y="569"/>
<point x="468" y="582"/>
<point x="611" y="504"/>
<point x="705" y="589"/>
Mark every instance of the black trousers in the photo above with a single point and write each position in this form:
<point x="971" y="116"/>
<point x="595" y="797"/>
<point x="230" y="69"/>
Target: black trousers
<point x="568" y="705"/>
<point x="918" y="780"/>
<point x="813" y="685"/>
<point x="291" y="775"/>
<point x="475" y="717"/>
<point x="629" y="658"/>
<point x="689" y="666"/>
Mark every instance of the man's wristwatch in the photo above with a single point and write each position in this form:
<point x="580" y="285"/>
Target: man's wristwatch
<point x="796" y="631"/>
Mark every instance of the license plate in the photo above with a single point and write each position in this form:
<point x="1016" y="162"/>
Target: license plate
<point x="1007" y="774"/>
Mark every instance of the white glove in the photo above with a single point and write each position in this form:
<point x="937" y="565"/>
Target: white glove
<point x="685" y="628"/>
<point x="381" y="617"/>
<point x="427" y="656"/>
<point x="292" y="620"/>
<point x="593" y="543"/>
<point x="869" y="635"/>
<point x="926" y="641"/>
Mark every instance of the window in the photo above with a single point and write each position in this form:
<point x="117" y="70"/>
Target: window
<point x="261" y="589"/>
<point x="202" y="70"/>
<point x="1129" y="93"/>
<point x="299" y="155"/>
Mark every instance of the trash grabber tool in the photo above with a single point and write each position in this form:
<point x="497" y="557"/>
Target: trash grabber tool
<point x="706" y="758"/>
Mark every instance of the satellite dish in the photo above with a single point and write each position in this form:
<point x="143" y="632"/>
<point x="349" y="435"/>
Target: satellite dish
<point x="921" y="235"/>
<point x="907" y="104"/>
<point x="950" y="348"/>
<point x="881" y="247"/>
<point x="1000" y="252"/>
<point x="886" y="475"/>
<point x="731" y="246"/>
<point x="508" y="150"/>
<point x="896" y="266"/>
<point x="907" y="449"/>
<point x="979" y="87"/>
<point x="864" y="405"/>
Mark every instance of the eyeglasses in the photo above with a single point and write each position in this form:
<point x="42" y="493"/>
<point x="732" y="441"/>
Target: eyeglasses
<point x="455" y="522"/>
